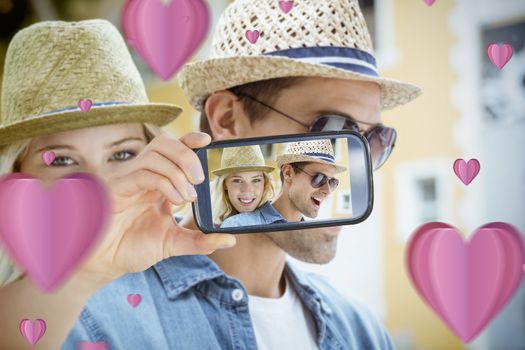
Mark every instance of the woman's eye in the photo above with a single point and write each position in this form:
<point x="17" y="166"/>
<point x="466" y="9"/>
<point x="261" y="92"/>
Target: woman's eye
<point x="123" y="155"/>
<point x="257" y="180"/>
<point x="62" y="161"/>
<point x="236" y="181"/>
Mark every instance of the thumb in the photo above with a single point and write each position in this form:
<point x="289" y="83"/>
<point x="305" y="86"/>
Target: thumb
<point x="186" y="242"/>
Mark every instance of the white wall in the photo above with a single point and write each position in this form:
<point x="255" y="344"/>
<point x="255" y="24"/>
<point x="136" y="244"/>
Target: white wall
<point x="499" y="194"/>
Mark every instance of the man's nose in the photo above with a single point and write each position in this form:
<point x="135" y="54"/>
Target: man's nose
<point x="325" y="189"/>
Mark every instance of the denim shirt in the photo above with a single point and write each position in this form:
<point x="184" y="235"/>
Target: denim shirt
<point x="266" y="214"/>
<point x="188" y="302"/>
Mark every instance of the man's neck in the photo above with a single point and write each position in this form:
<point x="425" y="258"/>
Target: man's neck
<point x="286" y="208"/>
<point x="257" y="262"/>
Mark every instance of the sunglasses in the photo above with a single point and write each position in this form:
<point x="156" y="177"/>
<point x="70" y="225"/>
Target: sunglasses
<point x="320" y="179"/>
<point x="381" y="139"/>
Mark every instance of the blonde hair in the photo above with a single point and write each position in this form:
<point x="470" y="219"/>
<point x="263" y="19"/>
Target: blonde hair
<point x="221" y="205"/>
<point x="10" y="158"/>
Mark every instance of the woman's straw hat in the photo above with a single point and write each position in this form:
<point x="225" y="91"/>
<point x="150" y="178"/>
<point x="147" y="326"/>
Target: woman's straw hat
<point x="50" y="66"/>
<point x="240" y="159"/>
<point x="317" y="38"/>
<point x="316" y="151"/>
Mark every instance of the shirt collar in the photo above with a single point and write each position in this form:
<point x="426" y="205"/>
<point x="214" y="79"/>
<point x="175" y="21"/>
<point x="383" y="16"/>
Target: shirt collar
<point x="180" y="273"/>
<point x="309" y="296"/>
<point x="270" y="214"/>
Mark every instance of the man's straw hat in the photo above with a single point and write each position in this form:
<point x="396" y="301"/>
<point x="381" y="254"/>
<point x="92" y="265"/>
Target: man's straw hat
<point x="50" y="66"/>
<point x="317" y="38"/>
<point x="240" y="159"/>
<point x="316" y="151"/>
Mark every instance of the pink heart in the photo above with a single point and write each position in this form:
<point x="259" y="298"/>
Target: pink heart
<point x="252" y="36"/>
<point x="466" y="171"/>
<point x="286" y="6"/>
<point x="159" y="36"/>
<point x="499" y="55"/>
<point x="84" y="345"/>
<point x="85" y="105"/>
<point x="48" y="157"/>
<point x="429" y="2"/>
<point x="466" y="284"/>
<point x="48" y="232"/>
<point x="33" y="331"/>
<point x="134" y="299"/>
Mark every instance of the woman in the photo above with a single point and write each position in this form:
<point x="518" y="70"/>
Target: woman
<point x="243" y="183"/>
<point x="51" y="67"/>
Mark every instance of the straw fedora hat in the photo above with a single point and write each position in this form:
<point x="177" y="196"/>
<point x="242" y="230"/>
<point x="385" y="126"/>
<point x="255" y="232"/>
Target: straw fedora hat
<point x="316" y="38"/>
<point x="244" y="158"/>
<point x="51" y="66"/>
<point x="316" y="151"/>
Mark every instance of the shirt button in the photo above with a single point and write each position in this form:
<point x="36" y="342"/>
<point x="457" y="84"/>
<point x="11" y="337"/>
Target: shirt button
<point x="324" y="306"/>
<point x="237" y="294"/>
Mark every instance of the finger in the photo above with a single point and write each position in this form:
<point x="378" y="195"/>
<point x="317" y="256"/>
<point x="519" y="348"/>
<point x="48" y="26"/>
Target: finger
<point x="187" y="241"/>
<point x="196" y="139"/>
<point x="145" y="180"/>
<point x="180" y="154"/>
<point x="214" y="241"/>
<point x="162" y="166"/>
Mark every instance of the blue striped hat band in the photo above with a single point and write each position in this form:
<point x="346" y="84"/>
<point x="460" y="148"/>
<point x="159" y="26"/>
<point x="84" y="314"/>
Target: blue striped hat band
<point x="347" y="58"/>
<point x="322" y="156"/>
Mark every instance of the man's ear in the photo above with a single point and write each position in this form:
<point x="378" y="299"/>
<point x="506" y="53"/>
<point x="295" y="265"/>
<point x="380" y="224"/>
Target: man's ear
<point x="288" y="172"/>
<point x="226" y="116"/>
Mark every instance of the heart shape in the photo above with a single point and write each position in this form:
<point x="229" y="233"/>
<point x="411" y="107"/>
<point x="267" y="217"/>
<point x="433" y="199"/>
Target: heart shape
<point x="48" y="157"/>
<point x="66" y="221"/>
<point x="252" y="36"/>
<point x="466" y="283"/>
<point x="286" y="6"/>
<point x="32" y="331"/>
<point x="499" y="55"/>
<point x="85" y="105"/>
<point x="84" y="345"/>
<point x="429" y="2"/>
<point x="466" y="171"/>
<point x="156" y="32"/>
<point x="134" y="299"/>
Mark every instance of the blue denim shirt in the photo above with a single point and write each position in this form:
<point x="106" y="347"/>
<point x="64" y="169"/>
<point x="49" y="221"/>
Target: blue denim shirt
<point x="188" y="302"/>
<point x="266" y="214"/>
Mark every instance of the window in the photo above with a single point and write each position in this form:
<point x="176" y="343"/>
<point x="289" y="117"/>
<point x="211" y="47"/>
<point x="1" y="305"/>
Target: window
<point x="426" y="189"/>
<point x="344" y="203"/>
<point x="423" y="194"/>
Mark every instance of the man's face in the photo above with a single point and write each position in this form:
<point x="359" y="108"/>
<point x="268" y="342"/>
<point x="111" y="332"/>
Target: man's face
<point x="306" y="101"/>
<point x="302" y="195"/>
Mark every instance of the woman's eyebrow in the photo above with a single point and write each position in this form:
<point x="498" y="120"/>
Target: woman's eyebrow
<point x="116" y="143"/>
<point x="54" y="147"/>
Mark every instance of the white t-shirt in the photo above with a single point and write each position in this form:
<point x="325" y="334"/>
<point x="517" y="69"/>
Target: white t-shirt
<point x="283" y="323"/>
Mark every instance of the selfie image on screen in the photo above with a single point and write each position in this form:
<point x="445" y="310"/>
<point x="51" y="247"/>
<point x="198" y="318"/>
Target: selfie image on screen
<point x="280" y="182"/>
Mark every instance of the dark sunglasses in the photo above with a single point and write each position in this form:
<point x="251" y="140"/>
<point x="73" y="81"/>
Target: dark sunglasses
<point x="320" y="179"/>
<point x="381" y="139"/>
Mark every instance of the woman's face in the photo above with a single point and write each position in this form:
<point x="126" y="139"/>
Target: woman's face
<point x="98" y="150"/>
<point x="245" y="190"/>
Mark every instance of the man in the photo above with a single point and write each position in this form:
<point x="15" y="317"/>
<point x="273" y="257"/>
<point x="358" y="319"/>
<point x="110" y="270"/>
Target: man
<point x="310" y="69"/>
<point x="307" y="170"/>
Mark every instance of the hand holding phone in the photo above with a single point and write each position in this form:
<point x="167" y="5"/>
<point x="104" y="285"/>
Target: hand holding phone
<point x="284" y="182"/>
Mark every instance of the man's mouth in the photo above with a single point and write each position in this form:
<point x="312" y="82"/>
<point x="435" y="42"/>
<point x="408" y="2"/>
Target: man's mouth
<point x="317" y="201"/>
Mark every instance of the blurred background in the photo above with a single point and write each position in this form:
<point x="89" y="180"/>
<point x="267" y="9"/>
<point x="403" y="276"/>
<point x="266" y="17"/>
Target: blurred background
<point x="469" y="109"/>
